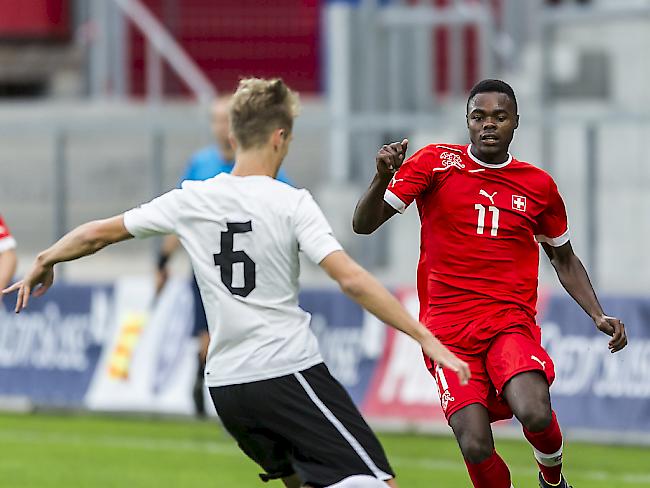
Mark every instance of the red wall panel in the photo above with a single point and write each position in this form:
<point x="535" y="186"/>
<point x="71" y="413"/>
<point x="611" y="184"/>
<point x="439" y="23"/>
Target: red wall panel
<point x="29" y="19"/>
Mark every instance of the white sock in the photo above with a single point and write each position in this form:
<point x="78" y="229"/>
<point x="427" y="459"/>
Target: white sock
<point x="359" y="481"/>
<point x="549" y="460"/>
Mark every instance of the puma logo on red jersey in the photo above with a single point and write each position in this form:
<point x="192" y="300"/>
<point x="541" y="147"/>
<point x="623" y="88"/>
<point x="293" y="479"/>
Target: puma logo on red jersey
<point x="487" y="195"/>
<point x="394" y="180"/>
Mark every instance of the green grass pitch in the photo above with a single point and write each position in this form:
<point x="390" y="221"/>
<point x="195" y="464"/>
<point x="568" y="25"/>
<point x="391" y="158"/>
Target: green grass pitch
<point x="43" y="451"/>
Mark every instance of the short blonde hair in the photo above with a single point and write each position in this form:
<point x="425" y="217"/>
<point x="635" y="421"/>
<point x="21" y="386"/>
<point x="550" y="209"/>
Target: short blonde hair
<point x="259" y="107"/>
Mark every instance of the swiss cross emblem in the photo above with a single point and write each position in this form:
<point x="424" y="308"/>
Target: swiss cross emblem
<point x="519" y="203"/>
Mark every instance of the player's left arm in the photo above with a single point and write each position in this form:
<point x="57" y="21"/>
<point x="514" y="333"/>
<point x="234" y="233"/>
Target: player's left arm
<point x="575" y="280"/>
<point x="84" y="240"/>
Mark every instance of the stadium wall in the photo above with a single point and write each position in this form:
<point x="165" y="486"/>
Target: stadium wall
<point x="117" y="348"/>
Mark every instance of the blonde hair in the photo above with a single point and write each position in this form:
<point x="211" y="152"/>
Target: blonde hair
<point x="259" y="107"/>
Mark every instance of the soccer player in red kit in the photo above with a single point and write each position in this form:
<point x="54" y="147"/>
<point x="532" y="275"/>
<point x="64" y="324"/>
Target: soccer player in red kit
<point x="483" y="214"/>
<point x="8" y="258"/>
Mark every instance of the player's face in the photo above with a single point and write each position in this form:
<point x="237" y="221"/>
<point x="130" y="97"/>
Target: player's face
<point x="491" y="119"/>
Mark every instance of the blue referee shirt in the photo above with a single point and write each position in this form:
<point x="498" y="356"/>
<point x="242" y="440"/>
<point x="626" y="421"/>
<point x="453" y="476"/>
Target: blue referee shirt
<point x="208" y="162"/>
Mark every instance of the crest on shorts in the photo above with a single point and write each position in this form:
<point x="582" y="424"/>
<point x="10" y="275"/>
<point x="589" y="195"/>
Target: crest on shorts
<point x="445" y="399"/>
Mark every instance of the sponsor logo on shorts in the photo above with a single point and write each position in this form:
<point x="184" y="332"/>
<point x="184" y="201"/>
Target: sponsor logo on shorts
<point x="543" y="363"/>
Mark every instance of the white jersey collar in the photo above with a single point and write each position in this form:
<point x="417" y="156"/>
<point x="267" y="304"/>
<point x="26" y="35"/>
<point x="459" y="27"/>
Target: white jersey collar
<point x="488" y="165"/>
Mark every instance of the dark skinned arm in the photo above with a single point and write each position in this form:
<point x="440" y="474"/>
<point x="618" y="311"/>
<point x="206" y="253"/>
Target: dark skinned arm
<point x="372" y="211"/>
<point x="575" y="280"/>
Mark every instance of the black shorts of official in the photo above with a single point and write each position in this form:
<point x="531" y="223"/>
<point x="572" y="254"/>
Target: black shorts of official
<point x="303" y="423"/>
<point x="200" y="325"/>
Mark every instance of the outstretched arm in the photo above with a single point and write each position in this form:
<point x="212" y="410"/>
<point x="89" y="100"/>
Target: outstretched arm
<point x="575" y="280"/>
<point x="84" y="240"/>
<point x="372" y="211"/>
<point x="364" y="289"/>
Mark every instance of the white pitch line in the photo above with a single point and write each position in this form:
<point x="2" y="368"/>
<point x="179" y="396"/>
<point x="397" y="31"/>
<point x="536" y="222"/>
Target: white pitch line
<point x="227" y="449"/>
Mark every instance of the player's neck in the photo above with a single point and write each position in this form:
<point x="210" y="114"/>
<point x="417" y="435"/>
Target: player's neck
<point x="256" y="162"/>
<point x="494" y="159"/>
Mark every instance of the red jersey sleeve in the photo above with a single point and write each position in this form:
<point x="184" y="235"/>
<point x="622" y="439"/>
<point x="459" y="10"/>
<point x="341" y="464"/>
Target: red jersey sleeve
<point x="414" y="177"/>
<point x="552" y="223"/>
<point x="6" y="240"/>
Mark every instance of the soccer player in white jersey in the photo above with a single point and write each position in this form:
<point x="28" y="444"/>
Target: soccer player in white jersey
<point x="243" y="232"/>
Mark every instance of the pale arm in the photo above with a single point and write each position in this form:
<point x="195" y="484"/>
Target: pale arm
<point x="82" y="241"/>
<point x="364" y="289"/>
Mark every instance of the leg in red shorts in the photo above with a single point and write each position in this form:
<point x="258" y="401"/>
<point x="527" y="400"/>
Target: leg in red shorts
<point x="466" y="409"/>
<point x="512" y="375"/>
<point x="521" y="371"/>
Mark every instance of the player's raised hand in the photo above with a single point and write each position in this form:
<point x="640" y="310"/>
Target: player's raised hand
<point x="437" y="351"/>
<point x="615" y="328"/>
<point x="37" y="281"/>
<point x="390" y="157"/>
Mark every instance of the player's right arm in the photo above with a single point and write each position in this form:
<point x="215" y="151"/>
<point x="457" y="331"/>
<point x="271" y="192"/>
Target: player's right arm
<point x="372" y="211"/>
<point x="366" y="290"/>
<point x="82" y="241"/>
<point x="157" y="217"/>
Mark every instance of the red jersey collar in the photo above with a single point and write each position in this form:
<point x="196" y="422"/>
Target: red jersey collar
<point x="487" y="165"/>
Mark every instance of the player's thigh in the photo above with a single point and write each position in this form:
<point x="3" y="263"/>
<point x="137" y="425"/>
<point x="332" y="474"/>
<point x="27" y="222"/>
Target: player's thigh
<point x="259" y="442"/>
<point x="331" y="441"/>
<point x="528" y="396"/>
<point x="514" y="352"/>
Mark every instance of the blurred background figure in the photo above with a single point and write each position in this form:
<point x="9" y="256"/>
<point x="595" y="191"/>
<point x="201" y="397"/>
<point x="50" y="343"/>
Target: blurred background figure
<point x="8" y="259"/>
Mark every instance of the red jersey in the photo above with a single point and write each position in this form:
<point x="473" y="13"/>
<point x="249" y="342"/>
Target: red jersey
<point x="6" y="240"/>
<point x="481" y="224"/>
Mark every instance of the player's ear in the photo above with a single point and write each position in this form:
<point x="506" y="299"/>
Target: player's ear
<point x="277" y="137"/>
<point x="232" y="140"/>
<point x="517" y="121"/>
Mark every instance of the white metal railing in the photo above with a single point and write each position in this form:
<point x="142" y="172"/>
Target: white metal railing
<point x="161" y="45"/>
<point x="108" y="69"/>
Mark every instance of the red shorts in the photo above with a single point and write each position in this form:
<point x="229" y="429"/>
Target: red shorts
<point x="509" y="353"/>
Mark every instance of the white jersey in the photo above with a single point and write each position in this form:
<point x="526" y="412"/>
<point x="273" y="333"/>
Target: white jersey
<point x="243" y="235"/>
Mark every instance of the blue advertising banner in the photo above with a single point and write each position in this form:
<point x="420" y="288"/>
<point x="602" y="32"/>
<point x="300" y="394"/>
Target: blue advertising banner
<point x="112" y="347"/>
<point x="351" y="340"/>
<point x="49" y="352"/>
<point x="595" y="389"/>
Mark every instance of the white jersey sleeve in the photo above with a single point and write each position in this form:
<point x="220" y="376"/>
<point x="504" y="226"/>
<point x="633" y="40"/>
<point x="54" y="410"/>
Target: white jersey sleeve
<point x="313" y="231"/>
<point x="159" y="216"/>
